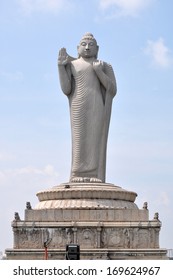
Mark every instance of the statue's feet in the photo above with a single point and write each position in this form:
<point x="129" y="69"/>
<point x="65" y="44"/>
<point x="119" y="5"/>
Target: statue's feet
<point x="95" y="180"/>
<point x="85" y="180"/>
<point x="77" y="180"/>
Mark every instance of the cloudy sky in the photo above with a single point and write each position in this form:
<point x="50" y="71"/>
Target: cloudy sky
<point x="135" y="36"/>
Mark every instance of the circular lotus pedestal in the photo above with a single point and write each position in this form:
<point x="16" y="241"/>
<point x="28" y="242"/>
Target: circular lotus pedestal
<point x="86" y="196"/>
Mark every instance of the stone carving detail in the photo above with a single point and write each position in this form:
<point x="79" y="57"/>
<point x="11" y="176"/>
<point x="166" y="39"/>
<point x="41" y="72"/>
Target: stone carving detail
<point x="134" y="238"/>
<point x="28" y="205"/>
<point x="104" y="238"/>
<point x="131" y="238"/>
<point x="69" y="235"/>
<point x="16" y="216"/>
<point x="87" y="238"/>
<point x="114" y="238"/>
<point x="29" y="238"/>
<point x="60" y="237"/>
<point x="95" y="237"/>
<point x="127" y="237"/>
<point x="145" y="206"/>
<point x="156" y="216"/>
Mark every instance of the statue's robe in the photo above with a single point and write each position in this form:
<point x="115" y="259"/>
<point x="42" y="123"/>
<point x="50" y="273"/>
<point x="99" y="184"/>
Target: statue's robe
<point x="90" y="111"/>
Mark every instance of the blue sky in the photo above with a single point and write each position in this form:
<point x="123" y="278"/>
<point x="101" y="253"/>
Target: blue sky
<point x="135" y="36"/>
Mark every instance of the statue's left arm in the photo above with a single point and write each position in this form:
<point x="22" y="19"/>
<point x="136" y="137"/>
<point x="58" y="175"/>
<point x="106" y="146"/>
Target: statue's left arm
<point x="106" y="76"/>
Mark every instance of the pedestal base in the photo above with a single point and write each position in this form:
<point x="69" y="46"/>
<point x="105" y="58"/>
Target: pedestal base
<point x="102" y="218"/>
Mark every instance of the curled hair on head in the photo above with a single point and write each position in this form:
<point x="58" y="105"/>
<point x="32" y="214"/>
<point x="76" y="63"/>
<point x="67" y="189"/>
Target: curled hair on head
<point x="88" y="36"/>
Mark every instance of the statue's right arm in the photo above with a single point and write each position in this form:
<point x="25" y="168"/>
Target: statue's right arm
<point x="64" y="71"/>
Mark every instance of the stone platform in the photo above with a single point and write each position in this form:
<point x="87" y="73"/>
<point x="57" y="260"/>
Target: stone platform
<point x="86" y="195"/>
<point x="102" y="218"/>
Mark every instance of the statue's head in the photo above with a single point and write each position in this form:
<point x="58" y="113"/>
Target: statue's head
<point x="88" y="46"/>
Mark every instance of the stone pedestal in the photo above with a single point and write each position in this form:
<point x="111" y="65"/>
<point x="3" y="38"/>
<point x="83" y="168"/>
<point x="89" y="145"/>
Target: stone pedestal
<point x="102" y="218"/>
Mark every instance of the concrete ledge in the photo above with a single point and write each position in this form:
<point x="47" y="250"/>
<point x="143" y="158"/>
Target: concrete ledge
<point x="78" y="215"/>
<point x="36" y="225"/>
<point x="91" y="254"/>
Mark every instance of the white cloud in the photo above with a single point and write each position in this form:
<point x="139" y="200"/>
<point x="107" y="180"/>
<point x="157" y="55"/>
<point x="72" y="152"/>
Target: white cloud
<point x="29" y="175"/>
<point x="125" y="7"/>
<point x="48" y="170"/>
<point x="53" y="6"/>
<point x="159" y="53"/>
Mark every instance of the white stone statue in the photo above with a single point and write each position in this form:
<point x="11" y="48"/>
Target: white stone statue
<point x="90" y="86"/>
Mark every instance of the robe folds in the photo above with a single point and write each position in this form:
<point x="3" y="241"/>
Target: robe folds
<point x="90" y="111"/>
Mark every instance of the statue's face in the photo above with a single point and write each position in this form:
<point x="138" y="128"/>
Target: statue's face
<point x="88" y="48"/>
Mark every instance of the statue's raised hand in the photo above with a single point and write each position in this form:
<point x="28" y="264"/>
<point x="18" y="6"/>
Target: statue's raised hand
<point x="98" y="65"/>
<point x="63" y="57"/>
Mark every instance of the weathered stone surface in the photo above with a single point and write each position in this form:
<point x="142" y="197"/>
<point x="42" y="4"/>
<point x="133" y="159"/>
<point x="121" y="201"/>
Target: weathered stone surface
<point x="86" y="190"/>
<point x="89" y="254"/>
<point x="87" y="234"/>
<point x="97" y="219"/>
<point x="78" y="215"/>
<point x="86" y="195"/>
